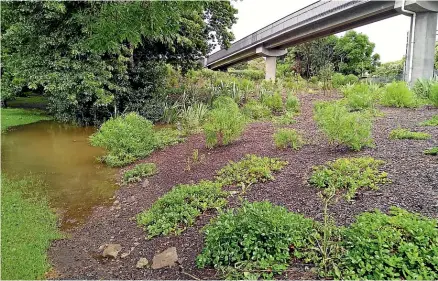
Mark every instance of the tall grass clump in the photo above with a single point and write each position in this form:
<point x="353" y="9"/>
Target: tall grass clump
<point x="359" y="96"/>
<point x="225" y="123"/>
<point x="256" y="110"/>
<point x="422" y="87"/>
<point x="273" y="101"/>
<point x="292" y="103"/>
<point x="192" y="117"/>
<point x="433" y="96"/>
<point x="285" y="137"/>
<point x="352" y="129"/>
<point x="125" y="138"/>
<point x="397" y="94"/>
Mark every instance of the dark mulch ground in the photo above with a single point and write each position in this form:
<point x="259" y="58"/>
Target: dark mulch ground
<point x="414" y="187"/>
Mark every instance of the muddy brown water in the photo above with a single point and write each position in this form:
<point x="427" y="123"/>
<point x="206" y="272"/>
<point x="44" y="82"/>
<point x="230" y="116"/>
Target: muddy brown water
<point x="60" y="154"/>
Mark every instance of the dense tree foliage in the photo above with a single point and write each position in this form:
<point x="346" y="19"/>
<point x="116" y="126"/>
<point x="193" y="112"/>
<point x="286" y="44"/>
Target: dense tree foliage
<point x="94" y="61"/>
<point x="349" y="54"/>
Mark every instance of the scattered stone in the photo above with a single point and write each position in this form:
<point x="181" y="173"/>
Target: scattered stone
<point x="116" y="202"/>
<point x="118" y="207"/>
<point x="102" y="247"/>
<point x="145" y="183"/>
<point x="136" y="243"/>
<point x="124" y="255"/>
<point x="112" y="250"/>
<point x="142" y="262"/>
<point x="234" y="192"/>
<point x="166" y="258"/>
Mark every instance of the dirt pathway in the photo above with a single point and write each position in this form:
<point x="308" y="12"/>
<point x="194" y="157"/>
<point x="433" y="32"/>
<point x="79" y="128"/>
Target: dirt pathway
<point x="414" y="187"/>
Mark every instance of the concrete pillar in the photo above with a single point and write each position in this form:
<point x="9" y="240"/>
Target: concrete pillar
<point x="424" y="46"/>
<point x="271" y="68"/>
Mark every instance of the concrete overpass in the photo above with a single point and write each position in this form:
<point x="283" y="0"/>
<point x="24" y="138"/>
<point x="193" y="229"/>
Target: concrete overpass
<point x="328" y="17"/>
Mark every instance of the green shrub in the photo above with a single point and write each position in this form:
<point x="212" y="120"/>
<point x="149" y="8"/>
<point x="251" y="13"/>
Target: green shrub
<point x="257" y="240"/>
<point x="225" y="123"/>
<point x="397" y="94"/>
<point x="274" y="101"/>
<point x="251" y="74"/>
<point x="431" y="151"/>
<point x="401" y="245"/>
<point x="286" y="137"/>
<point x="350" y="128"/>
<point x="314" y="79"/>
<point x="251" y="169"/>
<point x="292" y="103"/>
<point x="139" y="171"/>
<point x="179" y="208"/>
<point x="359" y="96"/>
<point x="433" y="96"/>
<point x="338" y="80"/>
<point x="125" y="138"/>
<point x="402" y="134"/>
<point x="431" y="122"/>
<point x="287" y="118"/>
<point x="351" y="79"/>
<point x="255" y="110"/>
<point x="349" y="174"/>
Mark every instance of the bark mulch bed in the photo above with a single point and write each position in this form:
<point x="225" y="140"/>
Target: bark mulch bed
<point x="414" y="187"/>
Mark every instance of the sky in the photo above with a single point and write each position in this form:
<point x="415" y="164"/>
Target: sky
<point x="389" y="35"/>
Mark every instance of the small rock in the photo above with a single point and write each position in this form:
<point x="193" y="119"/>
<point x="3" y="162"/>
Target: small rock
<point x="145" y="183"/>
<point x="166" y="258"/>
<point x="234" y="192"/>
<point x="116" y="202"/>
<point x="124" y="255"/>
<point x="136" y="243"/>
<point x="112" y="250"/>
<point x="102" y="247"/>
<point x="142" y="262"/>
<point x="117" y="207"/>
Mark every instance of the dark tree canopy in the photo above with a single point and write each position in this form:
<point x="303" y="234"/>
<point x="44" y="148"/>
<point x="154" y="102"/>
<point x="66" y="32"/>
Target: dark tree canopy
<point x="94" y="59"/>
<point x="349" y="54"/>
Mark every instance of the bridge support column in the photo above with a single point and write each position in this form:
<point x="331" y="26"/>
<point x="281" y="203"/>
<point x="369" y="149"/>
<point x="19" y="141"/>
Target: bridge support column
<point x="271" y="68"/>
<point x="424" y="46"/>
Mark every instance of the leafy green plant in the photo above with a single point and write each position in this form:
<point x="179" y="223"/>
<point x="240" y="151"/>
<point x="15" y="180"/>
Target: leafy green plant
<point x="400" y="245"/>
<point x="256" y="240"/>
<point x="431" y="151"/>
<point x="402" y="134"/>
<point x="225" y="123"/>
<point x="139" y="171"/>
<point x="286" y="137"/>
<point x="292" y="103"/>
<point x="431" y="122"/>
<point x="273" y="101"/>
<point x="179" y="208"/>
<point x="344" y="127"/>
<point x="349" y="175"/>
<point x="313" y="80"/>
<point x="397" y="94"/>
<point x="256" y="110"/>
<point x="251" y="169"/>
<point x="125" y="138"/>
